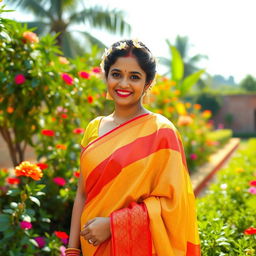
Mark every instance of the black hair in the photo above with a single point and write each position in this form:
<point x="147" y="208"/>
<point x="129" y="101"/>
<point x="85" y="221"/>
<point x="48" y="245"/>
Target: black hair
<point x="143" y="55"/>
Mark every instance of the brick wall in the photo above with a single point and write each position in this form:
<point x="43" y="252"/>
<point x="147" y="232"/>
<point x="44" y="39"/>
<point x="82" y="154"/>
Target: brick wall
<point x="240" y="110"/>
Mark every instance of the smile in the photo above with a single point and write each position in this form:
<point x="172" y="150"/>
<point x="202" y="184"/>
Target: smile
<point x="123" y="93"/>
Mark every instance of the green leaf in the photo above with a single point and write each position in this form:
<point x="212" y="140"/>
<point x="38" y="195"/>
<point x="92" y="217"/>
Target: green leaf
<point x="35" y="200"/>
<point x="189" y="81"/>
<point x="4" y="222"/>
<point x="177" y="65"/>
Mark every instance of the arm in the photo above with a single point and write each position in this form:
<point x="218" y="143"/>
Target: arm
<point x="74" y="238"/>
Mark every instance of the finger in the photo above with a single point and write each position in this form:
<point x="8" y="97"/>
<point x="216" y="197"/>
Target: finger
<point x="89" y="222"/>
<point x="88" y="236"/>
<point x="84" y="232"/>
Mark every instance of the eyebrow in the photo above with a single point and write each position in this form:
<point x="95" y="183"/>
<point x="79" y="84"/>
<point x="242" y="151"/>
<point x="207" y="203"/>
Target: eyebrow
<point x="132" y="72"/>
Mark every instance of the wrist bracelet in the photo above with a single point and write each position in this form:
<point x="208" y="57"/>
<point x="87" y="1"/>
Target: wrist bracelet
<point x="72" y="252"/>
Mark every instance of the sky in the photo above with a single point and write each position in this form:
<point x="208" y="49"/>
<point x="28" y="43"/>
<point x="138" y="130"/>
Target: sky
<point x="224" y="30"/>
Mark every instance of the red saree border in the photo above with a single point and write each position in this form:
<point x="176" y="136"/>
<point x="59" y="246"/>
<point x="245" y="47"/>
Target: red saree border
<point x="130" y="231"/>
<point x="193" y="249"/>
<point x="104" y="135"/>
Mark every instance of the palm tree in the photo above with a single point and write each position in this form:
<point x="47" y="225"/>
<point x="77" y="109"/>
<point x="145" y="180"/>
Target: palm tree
<point x="182" y="45"/>
<point x="58" y="16"/>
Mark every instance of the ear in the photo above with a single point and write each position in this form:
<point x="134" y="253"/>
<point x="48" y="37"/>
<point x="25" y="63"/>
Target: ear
<point x="147" y="85"/>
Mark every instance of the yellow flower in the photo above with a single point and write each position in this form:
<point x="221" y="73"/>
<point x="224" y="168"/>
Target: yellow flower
<point x="181" y="108"/>
<point x="136" y="43"/>
<point x="121" y="46"/>
<point x="237" y="188"/>
<point x="239" y="170"/>
<point x="207" y="113"/>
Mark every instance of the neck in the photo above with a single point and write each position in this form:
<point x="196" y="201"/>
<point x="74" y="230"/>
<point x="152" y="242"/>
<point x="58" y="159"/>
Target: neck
<point x="126" y="113"/>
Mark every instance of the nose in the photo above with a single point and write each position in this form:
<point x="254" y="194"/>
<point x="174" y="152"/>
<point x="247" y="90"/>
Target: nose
<point x="123" y="82"/>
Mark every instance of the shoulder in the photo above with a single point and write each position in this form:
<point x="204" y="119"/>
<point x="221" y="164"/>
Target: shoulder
<point x="163" y="122"/>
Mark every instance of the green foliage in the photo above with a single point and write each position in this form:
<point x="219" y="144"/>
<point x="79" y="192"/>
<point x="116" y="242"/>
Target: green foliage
<point x="59" y="17"/>
<point x="248" y="84"/>
<point x="228" y="209"/>
<point x="209" y="101"/>
<point x="222" y="135"/>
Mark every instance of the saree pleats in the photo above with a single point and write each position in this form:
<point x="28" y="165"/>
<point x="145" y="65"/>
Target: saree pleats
<point x="137" y="176"/>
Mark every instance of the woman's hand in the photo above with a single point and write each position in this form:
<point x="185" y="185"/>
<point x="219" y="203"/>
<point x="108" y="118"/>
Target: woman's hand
<point x="97" y="230"/>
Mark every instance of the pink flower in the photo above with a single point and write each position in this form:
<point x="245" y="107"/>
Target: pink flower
<point x="193" y="156"/>
<point x="223" y="186"/>
<point x="78" y="130"/>
<point x="59" y="181"/>
<point x="84" y="74"/>
<point x="67" y="78"/>
<point x="252" y="190"/>
<point x="40" y="241"/>
<point x="96" y="70"/>
<point x="20" y="79"/>
<point x="25" y="225"/>
<point x="253" y="183"/>
<point x="62" y="250"/>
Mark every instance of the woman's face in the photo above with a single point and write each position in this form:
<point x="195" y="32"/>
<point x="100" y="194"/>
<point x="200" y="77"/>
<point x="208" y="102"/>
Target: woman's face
<point x="126" y="81"/>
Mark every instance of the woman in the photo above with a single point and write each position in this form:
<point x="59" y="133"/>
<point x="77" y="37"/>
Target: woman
<point x="134" y="194"/>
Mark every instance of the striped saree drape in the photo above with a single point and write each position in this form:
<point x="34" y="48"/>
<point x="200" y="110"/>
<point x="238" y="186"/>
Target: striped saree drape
<point x="137" y="175"/>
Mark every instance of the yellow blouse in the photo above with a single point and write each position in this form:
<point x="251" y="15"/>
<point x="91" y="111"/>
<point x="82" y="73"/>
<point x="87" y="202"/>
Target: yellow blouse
<point x="91" y="132"/>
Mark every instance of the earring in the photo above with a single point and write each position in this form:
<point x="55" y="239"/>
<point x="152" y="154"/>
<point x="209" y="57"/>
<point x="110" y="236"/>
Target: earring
<point x="108" y="96"/>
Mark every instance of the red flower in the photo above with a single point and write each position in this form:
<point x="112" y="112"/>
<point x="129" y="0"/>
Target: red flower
<point x="64" y="115"/>
<point x="253" y="183"/>
<point x="61" y="235"/>
<point x="59" y="181"/>
<point x="250" y="231"/>
<point x="78" y="130"/>
<point x="77" y="174"/>
<point x="84" y="74"/>
<point x="42" y="166"/>
<point x="20" y="79"/>
<point x="96" y="70"/>
<point x="90" y="99"/>
<point x="67" y="78"/>
<point x="47" y="132"/>
<point x="13" y="181"/>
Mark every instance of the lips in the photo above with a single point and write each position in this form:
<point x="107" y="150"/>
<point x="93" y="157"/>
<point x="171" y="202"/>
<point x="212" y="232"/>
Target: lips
<point x="123" y="93"/>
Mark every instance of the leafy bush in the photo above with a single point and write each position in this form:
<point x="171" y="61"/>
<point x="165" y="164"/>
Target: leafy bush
<point x="227" y="213"/>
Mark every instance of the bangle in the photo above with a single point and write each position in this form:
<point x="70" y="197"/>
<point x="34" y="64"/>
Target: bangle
<point x="72" y="252"/>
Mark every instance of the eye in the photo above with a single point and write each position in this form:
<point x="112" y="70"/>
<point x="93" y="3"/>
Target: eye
<point x="135" y="77"/>
<point x="115" y="74"/>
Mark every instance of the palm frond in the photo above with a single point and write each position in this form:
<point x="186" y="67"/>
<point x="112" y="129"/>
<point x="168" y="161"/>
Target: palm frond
<point x="92" y="40"/>
<point x="41" y="27"/>
<point x="36" y="6"/>
<point x="97" y="17"/>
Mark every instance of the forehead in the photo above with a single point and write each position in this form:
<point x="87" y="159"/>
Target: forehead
<point x="127" y="64"/>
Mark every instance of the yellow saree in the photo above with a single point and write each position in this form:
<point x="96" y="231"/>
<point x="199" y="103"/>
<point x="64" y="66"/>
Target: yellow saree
<point x="136" y="174"/>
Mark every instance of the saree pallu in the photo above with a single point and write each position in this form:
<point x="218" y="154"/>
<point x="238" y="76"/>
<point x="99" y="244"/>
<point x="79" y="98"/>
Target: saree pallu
<point x="137" y="175"/>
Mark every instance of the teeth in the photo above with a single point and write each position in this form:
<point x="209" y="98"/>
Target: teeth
<point x="123" y="93"/>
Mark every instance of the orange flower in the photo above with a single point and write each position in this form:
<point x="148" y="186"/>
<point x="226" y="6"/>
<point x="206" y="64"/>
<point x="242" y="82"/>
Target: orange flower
<point x="167" y="100"/>
<point x="28" y="169"/>
<point x="207" y="113"/>
<point x="177" y="92"/>
<point x="30" y="37"/>
<point x="188" y="104"/>
<point x="63" y="60"/>
<point x="10" y="110"/>
<point x="61" y="146"/>
<point x="184" y="120"/>
<point x="159" y="111"/>
<point x="197" y="106"/>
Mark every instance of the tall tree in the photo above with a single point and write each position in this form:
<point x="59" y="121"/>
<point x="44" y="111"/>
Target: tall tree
<point x="248" y="83"/>
<point x="58" y="16"/>
<point x="190" y="63"/>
